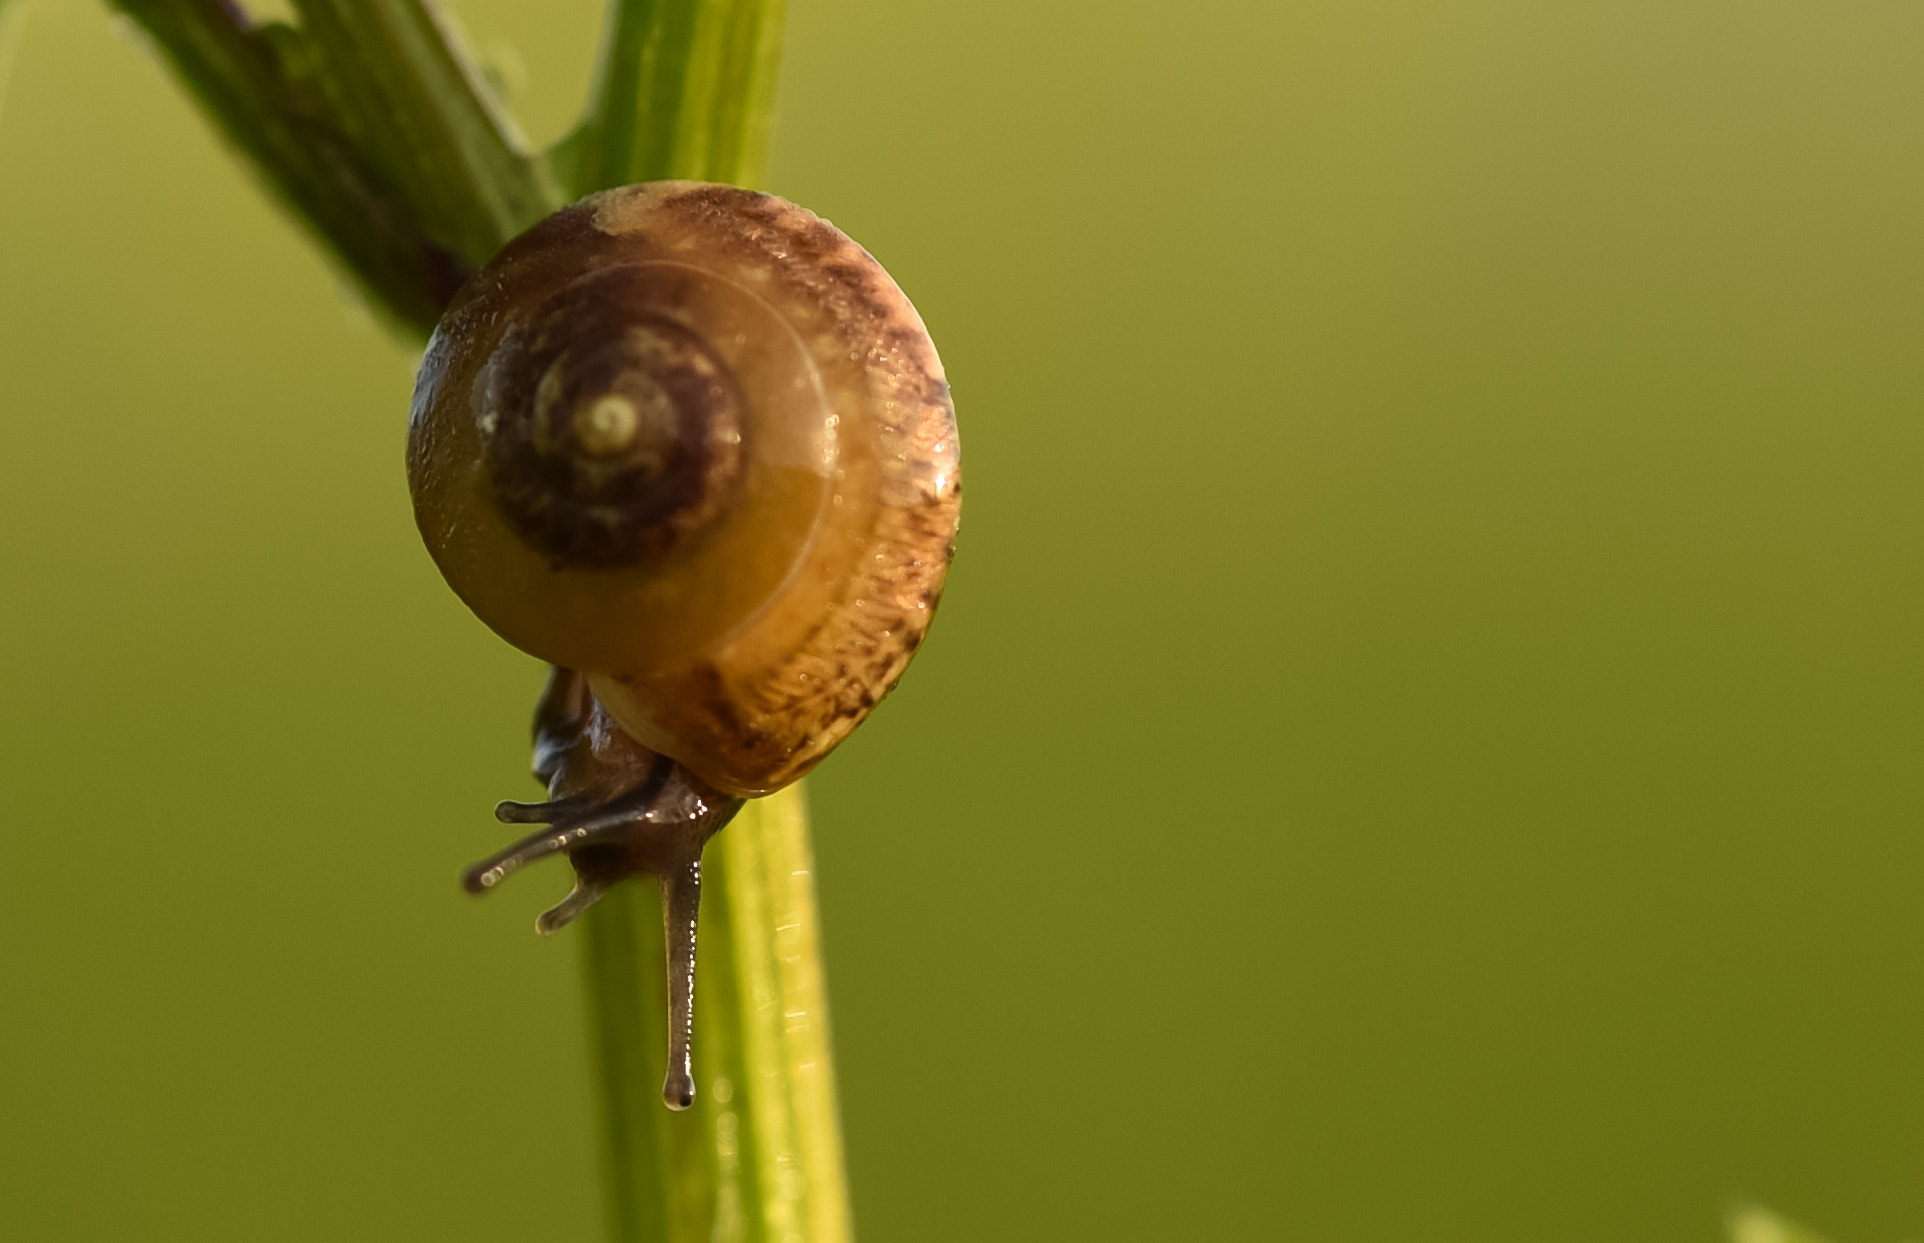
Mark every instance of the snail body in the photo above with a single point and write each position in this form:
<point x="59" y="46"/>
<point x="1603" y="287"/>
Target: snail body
<point x="695" y="443"/>
<point x="692" y="446"/>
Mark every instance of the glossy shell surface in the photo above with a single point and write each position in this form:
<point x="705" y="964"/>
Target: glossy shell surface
<point x="747" y="626"/>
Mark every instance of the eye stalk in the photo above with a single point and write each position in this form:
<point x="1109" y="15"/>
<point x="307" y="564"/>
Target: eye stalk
<point x="693" y="447"/>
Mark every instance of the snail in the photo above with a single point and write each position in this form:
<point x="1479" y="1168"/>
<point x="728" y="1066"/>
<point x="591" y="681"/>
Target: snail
<point x="693" y="447"/>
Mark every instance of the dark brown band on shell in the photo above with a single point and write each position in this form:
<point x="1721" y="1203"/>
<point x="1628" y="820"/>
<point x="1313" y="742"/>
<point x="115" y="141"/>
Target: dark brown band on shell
<point x="611" y="433"/>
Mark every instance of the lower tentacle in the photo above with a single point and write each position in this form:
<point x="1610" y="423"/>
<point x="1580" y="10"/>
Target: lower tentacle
<point x="584" y="895"/>
<point x="680" y="902"/>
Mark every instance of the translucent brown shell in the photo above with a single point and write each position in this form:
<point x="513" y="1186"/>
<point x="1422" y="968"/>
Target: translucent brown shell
<point x="694" y="442"/>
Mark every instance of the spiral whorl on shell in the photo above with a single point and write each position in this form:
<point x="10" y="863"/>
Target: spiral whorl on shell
<point x="694" y="442"/>
<point x="611" y="431"/>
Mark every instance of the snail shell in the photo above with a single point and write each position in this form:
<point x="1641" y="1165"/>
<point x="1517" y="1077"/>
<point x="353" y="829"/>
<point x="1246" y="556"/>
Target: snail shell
<point x="695" y="443"/>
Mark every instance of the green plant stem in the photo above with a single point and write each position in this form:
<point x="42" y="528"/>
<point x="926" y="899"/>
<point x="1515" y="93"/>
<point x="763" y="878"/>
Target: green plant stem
<point x="775" y="928"/>
<point x="759" y="1157"/>
<point x="413" y="102"/>
<point x="686" y="90"/>
<point x="264" y="89"/>
<point x="371" y="125"/>
<point x="682" y="88"/>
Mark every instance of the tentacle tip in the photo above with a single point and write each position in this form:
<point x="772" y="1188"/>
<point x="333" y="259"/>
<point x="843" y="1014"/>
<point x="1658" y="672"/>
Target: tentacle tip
<point x="585" y="894"/>
<point x="477" y="878"/>
<point x="678" y="1091"/>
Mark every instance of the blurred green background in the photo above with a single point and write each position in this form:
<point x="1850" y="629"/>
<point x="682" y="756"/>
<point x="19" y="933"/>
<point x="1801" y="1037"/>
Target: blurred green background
<point x="1422" y="741"/>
